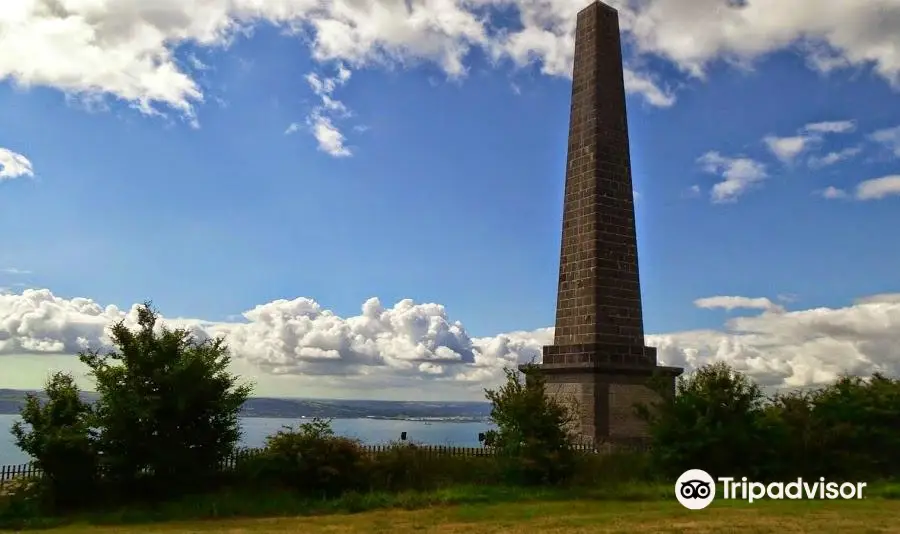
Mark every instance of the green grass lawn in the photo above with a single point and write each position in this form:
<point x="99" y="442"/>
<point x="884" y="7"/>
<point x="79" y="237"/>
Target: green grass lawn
<point x="570" y="516"/>
<point x="610" y="508"/>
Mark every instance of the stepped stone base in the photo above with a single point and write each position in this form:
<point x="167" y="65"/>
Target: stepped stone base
<point x="602" y="389"/>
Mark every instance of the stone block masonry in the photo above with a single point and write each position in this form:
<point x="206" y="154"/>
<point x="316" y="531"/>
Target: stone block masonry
<point x="599" y="294"/>
<point x="598" y="358"/>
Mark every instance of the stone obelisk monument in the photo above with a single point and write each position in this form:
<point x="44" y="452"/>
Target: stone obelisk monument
<point x="598" y="357"/>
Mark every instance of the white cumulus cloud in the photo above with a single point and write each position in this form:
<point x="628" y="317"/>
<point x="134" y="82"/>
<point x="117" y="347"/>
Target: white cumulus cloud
<point x="329" y="138"/>
<point x="817" y="162"/>
<point x="738" y="175"/>
<point x="878" y="188"/>
<point x="14" y="165"/>
<point x="832" y="193"/>
<point x="128" y="49"/>
<point x="644" y="84"/>
<point x="410" y="345"/>
<point x="734" y="303"/>
<point x="808" y="137"/>
<point x="407" y="341"/>
<point x="883" y="298"/>
<point x="787" y="148"/>
<point x="874" y="189"/>
<point x="321" y="120"/>
<point x="830" y="127"/>
<point x="831" y="34"/>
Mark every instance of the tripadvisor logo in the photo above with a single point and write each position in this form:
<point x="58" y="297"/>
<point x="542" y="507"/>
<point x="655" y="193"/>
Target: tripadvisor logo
<point x="695" y="489"/>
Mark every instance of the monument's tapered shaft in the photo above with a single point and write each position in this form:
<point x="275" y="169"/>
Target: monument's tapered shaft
<point x="599" y="298"/>
<point x="598" y="357"/>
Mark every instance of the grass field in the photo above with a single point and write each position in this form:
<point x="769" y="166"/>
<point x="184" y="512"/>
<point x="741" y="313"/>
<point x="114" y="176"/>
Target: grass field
<point x="578" y="516"/>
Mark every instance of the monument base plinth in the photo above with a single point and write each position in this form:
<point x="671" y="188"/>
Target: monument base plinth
<point x="603" y="396"/>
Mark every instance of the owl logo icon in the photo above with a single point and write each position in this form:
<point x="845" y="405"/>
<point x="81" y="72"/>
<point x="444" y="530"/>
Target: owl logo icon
<point x="695" y="489"/>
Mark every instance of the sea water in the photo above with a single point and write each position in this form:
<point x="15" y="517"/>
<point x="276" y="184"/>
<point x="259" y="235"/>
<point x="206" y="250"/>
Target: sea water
<point x="369" y="431"/>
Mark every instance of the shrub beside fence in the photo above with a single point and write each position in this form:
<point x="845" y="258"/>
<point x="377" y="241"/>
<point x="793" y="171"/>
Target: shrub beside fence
<point x="10" y="473"/>
<point x="27" y="471"/>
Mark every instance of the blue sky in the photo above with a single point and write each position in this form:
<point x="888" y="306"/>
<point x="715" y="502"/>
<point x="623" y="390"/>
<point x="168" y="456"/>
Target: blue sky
<point x="450" y="188"/>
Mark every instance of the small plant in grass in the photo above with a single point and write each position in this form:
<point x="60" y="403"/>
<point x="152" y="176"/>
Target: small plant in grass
<point x="400" y="466"/>
<point x="403" y="467"/>
<point x="614" y="469"/>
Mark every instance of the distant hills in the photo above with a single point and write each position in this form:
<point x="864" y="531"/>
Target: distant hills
<point x="11" y="400"/>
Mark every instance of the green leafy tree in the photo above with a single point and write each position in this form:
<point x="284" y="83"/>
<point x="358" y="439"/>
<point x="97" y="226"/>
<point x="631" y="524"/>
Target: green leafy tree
<point x="57" y="435"/>
<point x="714" y="422"/>
<point x="168" y="405"/>
<point x="533" y="434"/>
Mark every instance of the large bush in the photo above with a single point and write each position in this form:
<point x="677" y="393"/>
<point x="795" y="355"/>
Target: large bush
<point x="849" y="429"/>
<point x="795" y="445"/>
<point x="714" y="423"/>
<point x="312" y="459"/>
<point x="720" y="421"/>
<point x="533" y="437"/>
<point x="57" y="435"/>
<point x="856" y="424"/>
<point x="168" y="406"/>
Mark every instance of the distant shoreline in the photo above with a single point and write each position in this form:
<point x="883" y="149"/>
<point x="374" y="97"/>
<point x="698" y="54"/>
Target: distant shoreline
<point x="399" y="418"/>
<point x="369" y="431"/>
<point x="302" y="418"/>
<point x="11" y="402"/>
